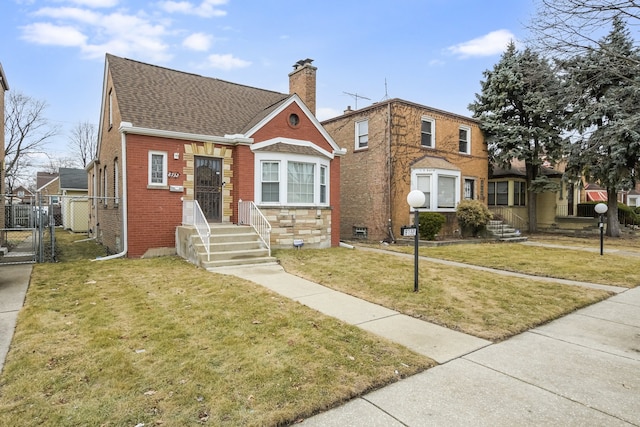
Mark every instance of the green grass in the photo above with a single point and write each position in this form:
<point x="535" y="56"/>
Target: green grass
<point x="484" y="304"/>
<point x="161" y="342"/>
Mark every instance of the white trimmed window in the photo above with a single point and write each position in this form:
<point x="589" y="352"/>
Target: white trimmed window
<point x="300" y="182"/>
<point x="362" y="134"/>
<point x="105" y="187"/>
<point x="427" y="132"/>
<point x="323" y="184"/>
<point x="270" y="182"/>
<point x="157" y="168"/>
<point x="116" y="183"/>
<point x="291" y="179"/>
<point x="441" y="188"/>
<point x="110" y="108"/>
<point x="464" y="145"/>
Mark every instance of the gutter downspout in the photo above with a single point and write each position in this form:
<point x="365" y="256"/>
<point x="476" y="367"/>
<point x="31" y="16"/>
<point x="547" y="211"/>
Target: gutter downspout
<point x="125" y="230"/>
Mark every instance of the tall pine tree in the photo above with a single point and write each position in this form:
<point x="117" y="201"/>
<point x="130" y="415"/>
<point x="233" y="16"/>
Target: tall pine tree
<point x="520" y="111"/>
<point x="604" y="99"/>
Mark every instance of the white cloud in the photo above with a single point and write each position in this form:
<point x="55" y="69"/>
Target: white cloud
<point x="197" y="41"/>
<point x="96" y="33"/>
<point x="493" y="43"/>
<point x="96" y="3"/>
<point x="206" y="9"/>
<point x="56" y="35"/>
<point x="225" y="62"/>
<point x="72" y="13"/>
<point x="436" y="63"/>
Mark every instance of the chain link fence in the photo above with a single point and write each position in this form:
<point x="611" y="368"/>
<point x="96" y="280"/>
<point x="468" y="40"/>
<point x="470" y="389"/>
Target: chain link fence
<point x="31" y="225"/>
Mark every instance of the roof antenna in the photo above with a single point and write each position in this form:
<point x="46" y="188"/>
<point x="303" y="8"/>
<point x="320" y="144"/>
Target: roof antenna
<point x="386" y="93"/>
<point x="356" y="97"/>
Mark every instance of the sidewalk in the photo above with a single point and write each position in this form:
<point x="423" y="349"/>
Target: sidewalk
<point x="14" y="282"/>
<point x="579" y="370"/>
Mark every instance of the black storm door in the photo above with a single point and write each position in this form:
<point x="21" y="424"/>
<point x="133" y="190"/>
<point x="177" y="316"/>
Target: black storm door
<point x="208" y="187"/>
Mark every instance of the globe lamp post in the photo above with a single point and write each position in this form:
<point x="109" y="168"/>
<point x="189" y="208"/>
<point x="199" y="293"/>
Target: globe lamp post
<point x="601" y="209"/>
<point x="415" y="199"/>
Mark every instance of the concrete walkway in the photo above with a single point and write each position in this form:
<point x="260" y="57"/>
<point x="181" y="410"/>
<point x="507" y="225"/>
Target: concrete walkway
<point x="14" y="282"/>
<point x="438" y="343"/>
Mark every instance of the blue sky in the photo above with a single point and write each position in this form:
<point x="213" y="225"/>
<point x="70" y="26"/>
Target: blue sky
<point x="431" y="52"/>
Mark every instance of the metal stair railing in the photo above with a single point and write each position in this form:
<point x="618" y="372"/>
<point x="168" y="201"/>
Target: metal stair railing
<point x="509" y="217"/>
<point x="192" y="215"/>
<point x="249" y="214"/>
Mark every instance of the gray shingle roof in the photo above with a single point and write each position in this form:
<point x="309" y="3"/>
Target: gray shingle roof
<point x="155" y="97"/>
<point x="75" y="179"/>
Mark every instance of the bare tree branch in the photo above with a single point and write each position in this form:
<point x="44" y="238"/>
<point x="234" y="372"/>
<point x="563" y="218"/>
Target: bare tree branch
<point x="83" y="142"/>
<point x="27" y="132"/>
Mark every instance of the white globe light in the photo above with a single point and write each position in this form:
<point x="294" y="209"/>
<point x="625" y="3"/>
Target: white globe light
<point x="601" y="208"/>
<point x="416" y="198"/>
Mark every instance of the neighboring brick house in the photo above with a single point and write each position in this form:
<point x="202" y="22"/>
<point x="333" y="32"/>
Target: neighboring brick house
<point x="396" y="146"/>
<point x="166" y="136"/>
<point x="48" y="184"/>
<point x="4" y="86"/>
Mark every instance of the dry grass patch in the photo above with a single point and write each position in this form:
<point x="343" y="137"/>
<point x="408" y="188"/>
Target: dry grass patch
<point x="561" y="263"/>
<point x="483" y="304"/>
<point x="627" y="242"/>
<point x="160" y="342"/>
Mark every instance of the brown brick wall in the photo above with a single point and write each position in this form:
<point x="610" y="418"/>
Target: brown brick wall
<point x="375" y="181"/>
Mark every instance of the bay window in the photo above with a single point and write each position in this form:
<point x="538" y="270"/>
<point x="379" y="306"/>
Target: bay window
<point x="441" y="188"/>
<point x="291" y="179"/>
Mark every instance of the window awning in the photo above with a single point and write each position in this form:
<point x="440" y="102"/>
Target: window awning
<point x="596" y="196"/>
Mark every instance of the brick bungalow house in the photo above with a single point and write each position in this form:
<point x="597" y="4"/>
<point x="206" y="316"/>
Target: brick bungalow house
<point x="4" y="86"/>
<point x="397" y="146"/>
<point x="167" y="138"/>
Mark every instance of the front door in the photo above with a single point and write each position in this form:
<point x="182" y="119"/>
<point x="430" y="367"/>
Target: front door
<point x="208" y="187"/>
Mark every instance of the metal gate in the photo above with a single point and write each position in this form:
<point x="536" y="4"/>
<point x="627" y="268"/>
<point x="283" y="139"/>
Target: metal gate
<point x="29" y="233"/>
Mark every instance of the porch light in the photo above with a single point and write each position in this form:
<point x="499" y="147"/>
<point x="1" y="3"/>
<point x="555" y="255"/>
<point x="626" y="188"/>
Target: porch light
<point x="415" y="199"/>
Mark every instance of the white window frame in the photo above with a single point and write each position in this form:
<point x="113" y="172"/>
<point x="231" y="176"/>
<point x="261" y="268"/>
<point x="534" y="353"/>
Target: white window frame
<point x="110" y="108"/>
<point x="262" y="181"/>
<point x="164" y="169"/>
<point x="283" y="159"/>
<point x="324" y="195"/>
<point x="433" y="131"/>
<point x="116" y="183"/>
<point x="468" y="130"/>
<point x="105" y="189"/>
<point x="435" y="175"/>
<point x="359" y="134"/>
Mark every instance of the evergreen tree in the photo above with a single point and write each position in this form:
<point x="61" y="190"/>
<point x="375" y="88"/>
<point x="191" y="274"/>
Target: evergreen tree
<point x="604" y="98"/>
<point x="520" y="111"/>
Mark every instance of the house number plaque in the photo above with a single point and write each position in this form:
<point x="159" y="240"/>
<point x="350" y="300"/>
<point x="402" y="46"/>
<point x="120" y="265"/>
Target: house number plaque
<point x="173" y="174"/>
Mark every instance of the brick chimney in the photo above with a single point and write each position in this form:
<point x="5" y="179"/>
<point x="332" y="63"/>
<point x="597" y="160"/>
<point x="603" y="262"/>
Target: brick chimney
<point x="302" y="81"/>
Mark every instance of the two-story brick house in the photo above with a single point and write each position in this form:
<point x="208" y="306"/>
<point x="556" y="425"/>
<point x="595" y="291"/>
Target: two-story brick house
<point x="397" y="146"/>
<point x="168" y="137"/>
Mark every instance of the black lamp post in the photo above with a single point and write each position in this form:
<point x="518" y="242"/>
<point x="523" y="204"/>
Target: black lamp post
<point x="601" y="209"/>
<point x="415" y="199"/>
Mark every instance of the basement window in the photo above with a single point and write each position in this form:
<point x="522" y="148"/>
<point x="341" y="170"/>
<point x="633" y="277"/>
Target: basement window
<point x="360" y="232"/>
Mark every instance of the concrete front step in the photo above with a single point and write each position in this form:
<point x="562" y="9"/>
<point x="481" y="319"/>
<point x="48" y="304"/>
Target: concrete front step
<point x="231" y="245"/>
<point x="212" y="265"/>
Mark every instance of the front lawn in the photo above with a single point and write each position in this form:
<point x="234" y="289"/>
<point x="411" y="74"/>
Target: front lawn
<point x="479" y="303"/>
<point x="161" y="342"/>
